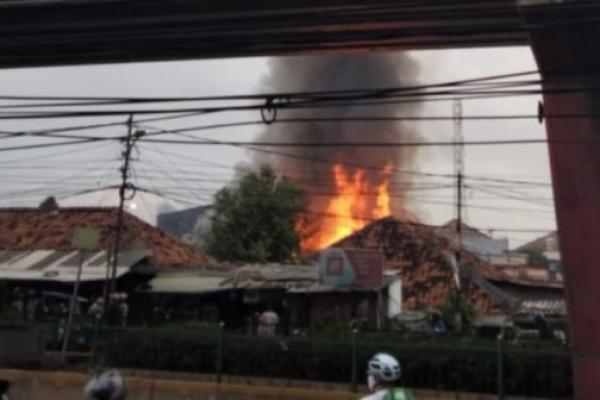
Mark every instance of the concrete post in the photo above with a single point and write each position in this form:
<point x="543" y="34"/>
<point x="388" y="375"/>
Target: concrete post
<point x="220" y="338"/>
<point x="500" y="367"/>
<point x="564" y="38"/>
<point x="354" y="361"/>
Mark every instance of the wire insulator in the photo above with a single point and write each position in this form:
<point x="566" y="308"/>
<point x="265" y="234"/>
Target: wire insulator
<point x="268" y="113"/>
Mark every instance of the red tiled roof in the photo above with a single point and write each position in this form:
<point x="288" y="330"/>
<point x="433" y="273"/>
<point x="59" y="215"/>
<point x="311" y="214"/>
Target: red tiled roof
<point x="35" y="229"/>
<point x="424" y="259"/>
<point x="452" y="225"/>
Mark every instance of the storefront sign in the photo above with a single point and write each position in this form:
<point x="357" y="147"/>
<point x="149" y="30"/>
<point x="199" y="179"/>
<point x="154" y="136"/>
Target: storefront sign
<point x="351" y="267"/>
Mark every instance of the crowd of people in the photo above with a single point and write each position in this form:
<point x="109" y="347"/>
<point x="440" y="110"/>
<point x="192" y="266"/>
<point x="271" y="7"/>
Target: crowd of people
<point x="52" y="309"/>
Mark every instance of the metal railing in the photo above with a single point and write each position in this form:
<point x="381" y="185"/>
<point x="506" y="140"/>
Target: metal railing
<point x="501" y="367"/>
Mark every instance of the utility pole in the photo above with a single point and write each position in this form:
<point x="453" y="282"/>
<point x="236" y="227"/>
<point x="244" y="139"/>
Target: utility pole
<point x="72" y="305"/>
<point x="457" y="117"/>
<point x="84" y="240"/>
<point x="129" y="143"/>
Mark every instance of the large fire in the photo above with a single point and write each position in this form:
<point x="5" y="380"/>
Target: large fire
<point x="355" y="202"/>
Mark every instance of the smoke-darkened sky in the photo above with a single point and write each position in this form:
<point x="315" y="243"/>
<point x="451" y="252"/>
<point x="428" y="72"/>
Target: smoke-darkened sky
<point x="190" y="174"/>
<point x="313" y="166"/>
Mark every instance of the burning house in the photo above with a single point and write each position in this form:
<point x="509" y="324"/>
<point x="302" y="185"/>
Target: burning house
<point x="347" y="186"/>
<point x="424" y="260"/>
<point x="357" y="196"/>
<point x="426" y="264"/>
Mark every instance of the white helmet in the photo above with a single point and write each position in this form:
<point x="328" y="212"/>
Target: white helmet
<point x="384" y="367"/>
<point x="108" y="385"/>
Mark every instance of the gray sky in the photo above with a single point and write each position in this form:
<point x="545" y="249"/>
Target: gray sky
<point x="192" y="173"/>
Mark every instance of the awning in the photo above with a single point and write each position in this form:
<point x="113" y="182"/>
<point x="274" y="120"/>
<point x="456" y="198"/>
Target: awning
<point x="322" y="288"/>
<point x="63" y="296"/>
<point x="319" y="287"/>
<point x="292" y="279"/>
<point x="493" y="321"/>
<point x="547" y="306"/>
<point x="62" y="266"/>
<point x="188" y="284"/>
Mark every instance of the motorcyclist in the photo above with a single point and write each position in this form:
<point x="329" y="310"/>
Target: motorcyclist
<point x="4" y="386"/>
<point x="383" y="372"/>
<point x="108" y="385"/>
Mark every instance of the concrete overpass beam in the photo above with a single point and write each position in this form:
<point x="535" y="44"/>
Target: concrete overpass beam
<point x="564" y="38"/>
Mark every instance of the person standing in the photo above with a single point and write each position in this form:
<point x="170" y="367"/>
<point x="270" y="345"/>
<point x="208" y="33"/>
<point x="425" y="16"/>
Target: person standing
<point x="267" y="323"/>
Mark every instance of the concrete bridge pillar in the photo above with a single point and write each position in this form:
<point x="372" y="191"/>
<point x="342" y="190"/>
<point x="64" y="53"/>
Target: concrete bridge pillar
<point x="565" y="38"/>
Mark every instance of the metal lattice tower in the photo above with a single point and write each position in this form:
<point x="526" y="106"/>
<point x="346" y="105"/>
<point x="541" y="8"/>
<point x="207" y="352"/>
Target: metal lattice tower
<point x="459" y="148"/>
<point x="457" y="117"/>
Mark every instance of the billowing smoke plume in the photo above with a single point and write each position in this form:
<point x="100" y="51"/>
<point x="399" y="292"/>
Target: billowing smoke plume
<point x="343" y="72"/>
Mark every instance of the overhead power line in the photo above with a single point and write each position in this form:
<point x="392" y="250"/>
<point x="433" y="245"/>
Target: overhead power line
<point x="368" y="167"/>
<point x="262" y="96"/>
<point x="366" y="219"/>
<point x="485" y="81"/>
<point x="50" y="132"/>
<point x="211" y="142"/>
<point x="314" y="99"/>
<point x="329" y="102"/>
<point x="47" y="145"/>
<point x="422" y="225"/>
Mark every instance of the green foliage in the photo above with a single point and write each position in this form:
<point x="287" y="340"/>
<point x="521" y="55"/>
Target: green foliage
<point x="455" y="303"/>
<point x="256" y="220"/>
<point x="463" y="364"/>
<point x="175" y="350"/>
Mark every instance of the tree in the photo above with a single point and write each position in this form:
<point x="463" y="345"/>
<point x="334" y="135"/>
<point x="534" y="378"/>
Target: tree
<point x="457" y="304"/>
<point x="256" y="220"/>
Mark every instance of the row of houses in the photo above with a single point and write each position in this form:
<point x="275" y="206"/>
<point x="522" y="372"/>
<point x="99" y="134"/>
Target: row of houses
<point x="169" y="280"/>
<point x="295" y="292"/>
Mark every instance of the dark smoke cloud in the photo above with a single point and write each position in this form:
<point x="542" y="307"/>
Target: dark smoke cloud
<point x="341" y="72"/>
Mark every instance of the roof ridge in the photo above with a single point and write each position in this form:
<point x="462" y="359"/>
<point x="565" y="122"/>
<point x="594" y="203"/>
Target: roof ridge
<point x="161" y="232"/>
<point x="59" y="209"/>
<point x="34" y="228"/>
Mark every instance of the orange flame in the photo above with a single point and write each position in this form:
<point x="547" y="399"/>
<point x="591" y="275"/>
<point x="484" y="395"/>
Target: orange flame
<point x="352" y="207"/>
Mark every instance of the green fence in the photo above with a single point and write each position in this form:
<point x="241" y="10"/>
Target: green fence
<point x="537" y="369"/>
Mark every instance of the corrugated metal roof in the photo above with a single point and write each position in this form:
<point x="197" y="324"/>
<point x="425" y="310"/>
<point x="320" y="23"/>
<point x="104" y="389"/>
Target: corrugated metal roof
<point x="188" y="284"/>
<point x="526" y="275"/>
<point x="291" y="278"/>
<point x="60" y="266"/>
<point x="270" y="276"/>
<point x="322" y="288"/>
<point x="552" y="307"/>
<point x="273" y="276"/>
